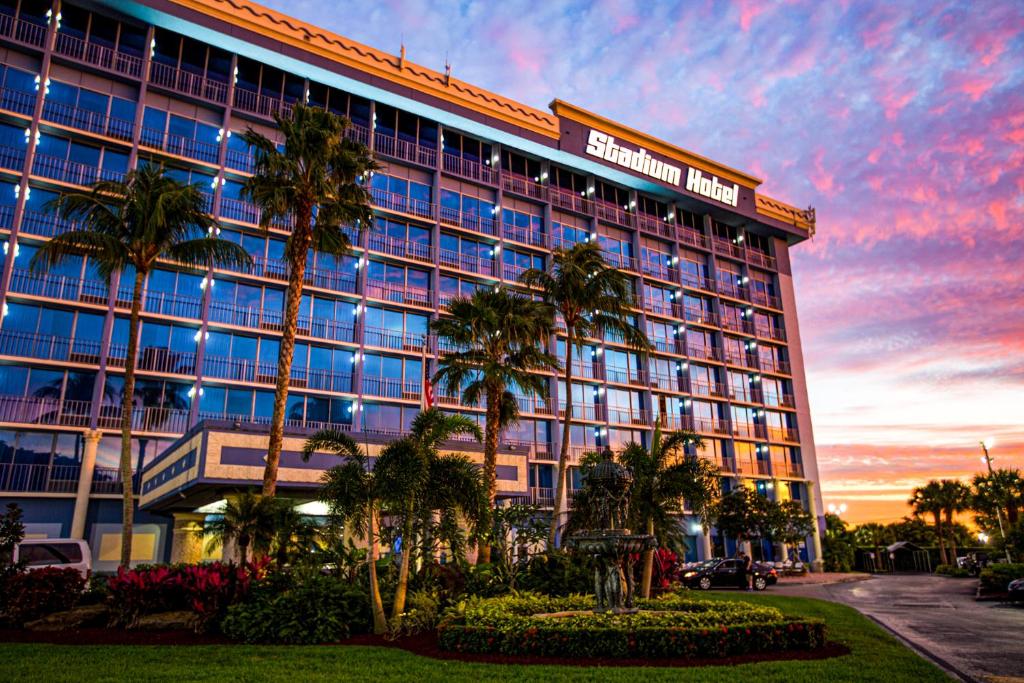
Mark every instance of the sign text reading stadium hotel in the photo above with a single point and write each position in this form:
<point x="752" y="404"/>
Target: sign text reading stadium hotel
<point x="603" y="146"/>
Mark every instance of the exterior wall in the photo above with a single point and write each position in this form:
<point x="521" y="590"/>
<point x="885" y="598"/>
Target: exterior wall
<point x="87" y="355"/>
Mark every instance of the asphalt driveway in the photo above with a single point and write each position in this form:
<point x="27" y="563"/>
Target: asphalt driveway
<point x="979" y="641"/>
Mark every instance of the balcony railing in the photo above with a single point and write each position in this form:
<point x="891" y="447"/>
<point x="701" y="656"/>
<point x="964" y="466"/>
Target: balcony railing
<point x="468" y="262"/>
<point x="727" y="247"/>
<point x="692" y="238"/>
<point x="98" y="55"/>
<point x="533" y="404"/>
<point x="107" y="480"/>
<point x="12" y="158"/>
<point x="399" y="247"/>
<point x="163" y="303"/>
<point x="180" y="145"/>
<point x="788" y="469"/>
<point x="761" y="259"/>
<point x="615" y="214"/>
<point x="156" y="359"/>
<point x="44" y="224"/>
<point x="392" y="388"/>
<point x="571" y="201"/>
<point x="700" y="316"/>
<point x="48" y="347"/>
<point x="523" y="235"/>
<point x="400" y="203"/>
<point x="74" y="172"/>
<point x="542" y="496"/>
<point x="764" y="299"/>
<point x="41" y="478"/>
<point x="583" y="411"/>
<point x="770" y="332"/>
<point x="22" y="31"/>
<point x="398" y="294"/>
<point x="59" y="287"/>
<point x="657" y="226"/>
<point x="622" y="375"/>
<point x="263" y="105"/>
<point x="90" y="121"/>
<point x="698" y="281"/>
<point x="151" y="419"/>
<point x="521" y="185"/>
<point x="392" y="339"/>
<point x="661" y="307"/>
<point x="18" y="101"/>
<point x="469" y="221"/>
<point x="711" y="353"/>
<point x="473" y="170"/>
<point x="659" y="270"/>
<point x="44" y="411"/>
<point x="395" y="148"/>
<point x="629" y="416"/>
<point x="182" y="81"/>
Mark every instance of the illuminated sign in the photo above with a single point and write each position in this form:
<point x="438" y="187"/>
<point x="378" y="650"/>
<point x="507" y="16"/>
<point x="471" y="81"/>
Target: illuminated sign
<point x="603" y="146"/>
<point x="708" y="186"/>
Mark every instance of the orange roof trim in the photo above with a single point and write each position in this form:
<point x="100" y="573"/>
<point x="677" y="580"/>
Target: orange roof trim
<point x="313" y="39"/>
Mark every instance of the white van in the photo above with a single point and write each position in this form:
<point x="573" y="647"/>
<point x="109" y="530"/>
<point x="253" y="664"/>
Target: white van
<point x="70" y="553"/>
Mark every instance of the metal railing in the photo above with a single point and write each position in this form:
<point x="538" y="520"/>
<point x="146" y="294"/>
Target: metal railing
<point x="196" y="85"/>
<point x="38" y="478"/>
<point x="521" y="185"/>
<point x="472" y="170"/>
<point x="403" y="149"/>
<point x="90" y="121"/>
<point x="98" y="55"/>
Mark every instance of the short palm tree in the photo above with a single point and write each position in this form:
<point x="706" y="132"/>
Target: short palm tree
<point x="664" y="476"/>
<point x="127" y="226"/>
<point x="591" y="297"/>
<point x="927" y="500"/>
<point x="315" y="183"/>
<point x="249" y="520"/>
<point x="407" y="465"/>
<point x="355" y="495"/>
<point x="955" y="497"/>
<point x="874" y="536"/>
<point x="495" y="338"/>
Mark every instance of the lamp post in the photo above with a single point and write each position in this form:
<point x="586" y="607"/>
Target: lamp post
<point x="985" y="445"/>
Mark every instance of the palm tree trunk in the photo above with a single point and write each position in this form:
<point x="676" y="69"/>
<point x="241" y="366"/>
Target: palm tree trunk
<point x="127" y="408"/>
<point x="952" y="536"/>
<point x="645" y="581"/>
<point x="492" y="432"/>
<point x="301" y="239"/>
<point x="380" y="623"/>
<point x="563" y="455"/>
<point x="942" y="543"/>
<point x="403" y="568"/>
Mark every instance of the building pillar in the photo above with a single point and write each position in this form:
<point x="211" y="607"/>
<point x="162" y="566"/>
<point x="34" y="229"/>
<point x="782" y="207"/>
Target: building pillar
<point x="92" y="442"/>
<point x="818" y="562"/>
<point x="187" y="537"/>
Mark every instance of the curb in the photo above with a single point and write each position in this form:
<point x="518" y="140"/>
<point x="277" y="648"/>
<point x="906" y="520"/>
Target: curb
<point x="925" y="653"/>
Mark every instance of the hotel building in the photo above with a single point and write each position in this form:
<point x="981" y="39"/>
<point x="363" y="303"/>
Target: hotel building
<point x="474" y="189"/>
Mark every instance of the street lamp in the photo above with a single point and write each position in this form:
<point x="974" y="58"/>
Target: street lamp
<point x="985" y="445"/>
<point x="836" y="509"/>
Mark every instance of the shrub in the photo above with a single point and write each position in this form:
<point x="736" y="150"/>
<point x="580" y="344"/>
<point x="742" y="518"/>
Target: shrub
<point x="293" y="610"/>
<point x="30" y="595"/>
<point x="995" y="577"/>
<point x="206" y="589"/>
<point x="952" y="570"/>
<point x="557" y="574"/>
<point x="422" y="611"/>
<point x="668" y="627"/>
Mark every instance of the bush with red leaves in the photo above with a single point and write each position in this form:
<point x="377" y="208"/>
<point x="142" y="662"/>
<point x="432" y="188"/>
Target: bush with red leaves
<point x="30" y="595"/>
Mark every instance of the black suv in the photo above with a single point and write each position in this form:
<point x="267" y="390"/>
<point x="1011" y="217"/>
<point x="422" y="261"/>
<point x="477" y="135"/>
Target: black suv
<point x="722" y="573"/>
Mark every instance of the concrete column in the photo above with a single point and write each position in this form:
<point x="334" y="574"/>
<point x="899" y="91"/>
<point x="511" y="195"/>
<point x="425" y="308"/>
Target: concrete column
<point x="92" y="442"/>
<point x="187" y="537"/>
<point x="817" y="562"/>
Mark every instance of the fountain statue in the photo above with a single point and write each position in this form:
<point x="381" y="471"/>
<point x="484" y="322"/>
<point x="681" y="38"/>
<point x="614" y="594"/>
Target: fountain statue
<point x="612" y="547"/>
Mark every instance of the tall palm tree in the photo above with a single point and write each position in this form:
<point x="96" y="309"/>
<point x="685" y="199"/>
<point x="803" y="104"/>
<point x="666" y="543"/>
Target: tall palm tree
<point x="315" y="183"/>
<point x="249" y="520"/>
<point x="355" y="495"/>
<point x="495" y="337"/>
<point x="1003" y="490"/>
<point x="955" y="497"/>
<point x="411" y="465"/>
<point x="664" y="476"/>
<point x="927" y="500"/>
<point x="591" y="297"/>
<point x="127" y="226"/>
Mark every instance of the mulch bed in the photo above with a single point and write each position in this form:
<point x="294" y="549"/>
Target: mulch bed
<point x="424" y="644"/>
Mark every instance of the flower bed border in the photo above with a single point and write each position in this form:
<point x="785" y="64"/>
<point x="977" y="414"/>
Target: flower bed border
<point x="546" y="640"/>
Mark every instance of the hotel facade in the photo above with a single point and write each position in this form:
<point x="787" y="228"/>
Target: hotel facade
<point x="474" y="188"/>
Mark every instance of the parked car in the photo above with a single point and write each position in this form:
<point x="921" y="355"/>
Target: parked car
<point x="69" y="553"/>
<point x="1015" y="590"/>
<point x="722" y="573"/>
<point x="973" y="562"/>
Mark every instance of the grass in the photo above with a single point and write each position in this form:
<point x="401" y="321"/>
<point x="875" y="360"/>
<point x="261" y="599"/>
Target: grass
<point x="875" y="656"/>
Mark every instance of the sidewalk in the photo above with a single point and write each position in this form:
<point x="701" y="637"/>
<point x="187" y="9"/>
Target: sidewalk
<point x="822" y="578"/>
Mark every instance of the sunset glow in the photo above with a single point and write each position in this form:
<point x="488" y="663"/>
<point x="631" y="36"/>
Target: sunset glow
<point x="903" y="126"/>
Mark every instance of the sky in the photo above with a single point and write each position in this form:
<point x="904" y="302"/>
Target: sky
<point x="901" y="123"/>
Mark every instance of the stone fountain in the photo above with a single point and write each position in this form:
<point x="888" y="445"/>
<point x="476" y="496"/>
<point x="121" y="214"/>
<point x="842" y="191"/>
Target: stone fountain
<point x="613" y="548"/>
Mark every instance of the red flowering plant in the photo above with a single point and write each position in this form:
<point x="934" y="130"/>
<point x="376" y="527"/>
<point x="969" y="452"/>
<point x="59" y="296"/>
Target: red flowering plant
<point x="206" y="589"/>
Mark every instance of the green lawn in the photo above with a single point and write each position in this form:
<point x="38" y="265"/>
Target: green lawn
<point x="875" y="656"/>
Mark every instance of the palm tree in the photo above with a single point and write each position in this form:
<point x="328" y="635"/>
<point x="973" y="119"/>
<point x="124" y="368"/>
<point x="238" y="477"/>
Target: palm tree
<point x="128" y="226"/>
<point x="663" y="477"/>
<point x="494" y="336"/>
<point x="591" y="297"/>
<point x="927" y="500"/>
<point x="249" y="520"/>
<point x="295" y="535"/>
<point x="355" y="495"/>
<point x="314" y="182"/>
<point x="1002" y="490"/>
<point x="407" y="464"/>
<point x="873" y="535"/>
<point x="955" y="497"/>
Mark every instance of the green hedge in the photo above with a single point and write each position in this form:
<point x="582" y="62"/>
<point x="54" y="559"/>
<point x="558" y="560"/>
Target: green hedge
<point x="952" y="570"/>
<point x="995" y="577"/>
<point x="669" y="627"/>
